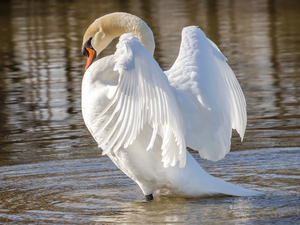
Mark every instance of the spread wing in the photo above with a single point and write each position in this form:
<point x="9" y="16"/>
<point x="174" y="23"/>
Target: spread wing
<point x="210" y="97"/>
<point x="143" y="95"/>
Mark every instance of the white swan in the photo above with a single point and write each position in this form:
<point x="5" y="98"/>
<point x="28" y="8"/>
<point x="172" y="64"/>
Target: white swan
<point x="144" y="118"/>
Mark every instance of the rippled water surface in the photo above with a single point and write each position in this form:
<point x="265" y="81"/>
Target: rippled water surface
<point x="51" y="170"/>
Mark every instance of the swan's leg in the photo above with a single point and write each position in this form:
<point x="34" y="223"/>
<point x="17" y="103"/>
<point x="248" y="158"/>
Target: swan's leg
<point x="149" y="197"/>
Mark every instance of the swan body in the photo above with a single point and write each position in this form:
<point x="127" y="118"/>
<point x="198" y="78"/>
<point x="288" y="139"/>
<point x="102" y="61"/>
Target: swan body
<point x="144" y="118"/>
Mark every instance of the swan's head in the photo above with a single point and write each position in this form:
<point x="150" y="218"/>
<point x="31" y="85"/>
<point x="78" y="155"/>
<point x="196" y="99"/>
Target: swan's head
<point x="104" y="29"/>
<point x="95" y="40"/>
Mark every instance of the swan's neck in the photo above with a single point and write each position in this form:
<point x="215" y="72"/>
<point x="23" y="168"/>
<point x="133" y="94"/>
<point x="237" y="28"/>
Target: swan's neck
<point x="116" y="24"/>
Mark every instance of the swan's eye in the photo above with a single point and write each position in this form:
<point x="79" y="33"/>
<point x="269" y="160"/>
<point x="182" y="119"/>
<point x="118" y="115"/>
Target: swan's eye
<point x="87" y="44"/>
<point x="85" y="52"/>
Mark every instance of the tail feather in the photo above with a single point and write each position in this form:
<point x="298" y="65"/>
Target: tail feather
<point x="193" y="181"/>
<point x="221" y="187"/>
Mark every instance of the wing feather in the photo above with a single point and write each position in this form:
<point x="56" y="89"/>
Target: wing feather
<point x="209" y="95"/>
<point x="143" y="95"/>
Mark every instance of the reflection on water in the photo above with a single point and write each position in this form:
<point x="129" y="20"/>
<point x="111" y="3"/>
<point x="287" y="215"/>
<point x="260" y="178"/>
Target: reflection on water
<point x="93" y="189"/>
<point x="51" y="169"/>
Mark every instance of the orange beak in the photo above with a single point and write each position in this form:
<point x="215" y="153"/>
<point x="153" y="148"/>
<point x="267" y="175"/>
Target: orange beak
<point x="89" y="58"/>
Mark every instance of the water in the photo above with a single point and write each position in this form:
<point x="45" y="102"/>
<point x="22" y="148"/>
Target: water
<point x="50" y="168"/>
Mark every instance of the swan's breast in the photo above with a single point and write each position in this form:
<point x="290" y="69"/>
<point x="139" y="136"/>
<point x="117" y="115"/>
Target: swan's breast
<point x="98" y="87"/>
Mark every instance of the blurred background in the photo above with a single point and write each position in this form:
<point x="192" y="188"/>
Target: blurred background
<point x="50" y="164"/>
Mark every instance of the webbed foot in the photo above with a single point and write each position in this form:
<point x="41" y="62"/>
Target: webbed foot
<point x="149" y="197"/>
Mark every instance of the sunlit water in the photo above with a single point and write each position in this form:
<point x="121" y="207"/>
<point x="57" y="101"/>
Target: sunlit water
<point x="51" y="170"/>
